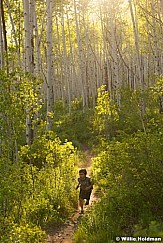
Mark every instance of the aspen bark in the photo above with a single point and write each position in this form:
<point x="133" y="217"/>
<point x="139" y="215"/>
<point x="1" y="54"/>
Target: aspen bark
<point x="4" y="34"/>
<point x="161" y="3"/>
<point x="28" y="63"/>
<point x="60" y="65"/>
<point x="66" y="64"/>
<point x="85" y="60"/>
<point x="80" y="56"/>
<point x="28" y="57"/>
<point x="155" y="41"/>
<point x="37" y="44"/>
<point x="139" y="65"/>
<point x="136" y="38"/>
<point x="106" y="75"/>
<point x="1" y="42"/>
<point x="14" y="32"/>
<point x="73" y="70"/>
<point x="49" y="64"/>
<point x="114" y="59"/>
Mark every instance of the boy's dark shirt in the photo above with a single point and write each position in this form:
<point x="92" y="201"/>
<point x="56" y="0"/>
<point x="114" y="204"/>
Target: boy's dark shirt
<point x="85" y="194"/>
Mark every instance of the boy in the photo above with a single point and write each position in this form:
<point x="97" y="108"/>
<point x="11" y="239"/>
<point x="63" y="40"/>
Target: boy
<point x="85" y="188"/>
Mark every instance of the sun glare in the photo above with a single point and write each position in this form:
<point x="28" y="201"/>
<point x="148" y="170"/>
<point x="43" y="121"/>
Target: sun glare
<point x="95" y="5"/>
<point x="97" y="2"/>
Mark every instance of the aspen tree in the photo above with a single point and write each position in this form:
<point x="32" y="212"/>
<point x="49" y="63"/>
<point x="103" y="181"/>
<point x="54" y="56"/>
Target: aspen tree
<point x="27" y="30"/>
<point x="139" y="69"/>
<point x="1" y="42"/>
<point x="37" y="45"/>
<point x="60" y="66"/>
<point x="31" y="24"/>
<point x="114" y="59"/>
<point x="29" y="58"/>
<point x="49" y="64"/>
<point x="161" y="3"/>
<point x="139" y="65"/>
<point x="80" y="56"/>
<point x="106" y="74"/>
<point x="73" y="70"/>
<point x="85" y="56"/>
<point x="4" y="34"/>
<point x="155" y="41"/>
<point x="14" y="31"/>
<point x="136" y="39"/>
<point x="66" y="64"/>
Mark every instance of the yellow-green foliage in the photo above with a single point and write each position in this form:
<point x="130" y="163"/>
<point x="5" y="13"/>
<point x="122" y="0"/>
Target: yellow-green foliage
<point x="128" y="172"/>
<point x="154" y="229"/>
<point x="38" y="189"/>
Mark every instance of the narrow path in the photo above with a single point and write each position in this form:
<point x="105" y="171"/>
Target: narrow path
<point x="66" y="232"/>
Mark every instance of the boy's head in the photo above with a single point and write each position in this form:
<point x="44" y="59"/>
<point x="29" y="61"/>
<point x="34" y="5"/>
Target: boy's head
<point x="82" y="173"/>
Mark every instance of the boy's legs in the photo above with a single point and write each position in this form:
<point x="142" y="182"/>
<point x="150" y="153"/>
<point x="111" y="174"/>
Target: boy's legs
<point x="88" y="198"/>
<point x="81" y="204"/>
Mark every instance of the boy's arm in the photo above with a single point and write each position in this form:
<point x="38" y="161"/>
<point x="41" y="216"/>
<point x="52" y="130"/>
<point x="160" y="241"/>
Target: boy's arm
<point x="90" y="187"/>
<point x="78" y="186"/>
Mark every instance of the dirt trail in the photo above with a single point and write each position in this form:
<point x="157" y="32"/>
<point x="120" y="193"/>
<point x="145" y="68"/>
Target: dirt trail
<point x="65" y="233"/>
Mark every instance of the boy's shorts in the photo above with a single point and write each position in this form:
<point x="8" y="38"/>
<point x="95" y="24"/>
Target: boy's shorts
<point x="85" y="194"/>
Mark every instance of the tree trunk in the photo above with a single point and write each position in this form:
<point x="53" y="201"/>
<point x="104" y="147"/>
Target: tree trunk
<point x="155" y="41"/>
<point x="14" y="32"/>
<point x="80" y="55"/>
<point x="139" y="67"/>
<point x="1" y="42"/>
<point x="4" y="34"/>
<point x="66" y="64"/>
<point x="28" y="65"/>
<point x="114" y="59"/>
<point x="49" y="64"/>
<point x="136" y="38"/>
<point x="161" y="3"/>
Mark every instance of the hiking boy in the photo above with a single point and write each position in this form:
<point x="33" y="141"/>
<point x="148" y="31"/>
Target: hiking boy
<point x="86" y="187"/>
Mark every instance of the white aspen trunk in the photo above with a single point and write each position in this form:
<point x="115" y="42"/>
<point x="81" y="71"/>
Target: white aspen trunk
<point x="136" y="38"/>
<point x="139" y="67"/>
<point x="114" y="60"/>
<point x="155" y="41"/>
<point x="80" y="51"/>
<point x="28" y="66"/>
<point x="49" y="65"/>
<point x="4" y="34"/>
<point x="100" y="76"/>
<point x="60" y="68"/>
<point x="85" y="61"/>
<point x="1" y="43"/>
<point x="37" y="46"/>
<point x="95" y="83"/>
<point x="66" y="64"/>
<point x="73" y="71"/>
<point x="161" y="3"/>
<point x="106" y="76"/>
<point x="28" y="58"/>
<point x="36" y="55"/>
<point x="31" y="23"/>
<point x="14" y="32"/>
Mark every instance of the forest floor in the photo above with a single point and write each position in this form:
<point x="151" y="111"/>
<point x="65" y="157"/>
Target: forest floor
<point x="65" y="234"/>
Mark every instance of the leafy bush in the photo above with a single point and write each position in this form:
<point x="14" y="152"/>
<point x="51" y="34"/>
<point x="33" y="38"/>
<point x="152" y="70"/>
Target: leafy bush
<point x="39" y="189"/>
<point x="128" y="172"/>
<point x="75" y="126"/>
<point x="24" y="234"/>
<point x="154" y="229"/>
